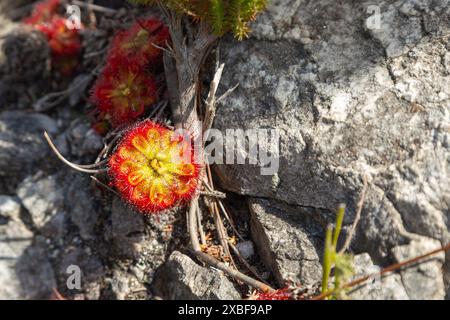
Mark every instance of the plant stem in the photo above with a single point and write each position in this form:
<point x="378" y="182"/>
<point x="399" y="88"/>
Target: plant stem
<point x="327" y="259"/>
<point x="339" y="220"/>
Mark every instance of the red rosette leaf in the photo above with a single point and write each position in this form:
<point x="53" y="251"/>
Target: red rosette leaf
<point x="153" y="169"/>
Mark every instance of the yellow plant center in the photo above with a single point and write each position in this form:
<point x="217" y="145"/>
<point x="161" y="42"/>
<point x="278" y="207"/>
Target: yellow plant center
<point x="153" y="163"/>
<point x="140" y="41"/>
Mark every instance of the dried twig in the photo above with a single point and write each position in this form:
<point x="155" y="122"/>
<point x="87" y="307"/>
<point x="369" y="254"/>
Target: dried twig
<point x="351" y="233"/>
<point x="53" y="99"/>
<point x="230" y="221"/>
<point x="210" y="104"/>
<point x="245" y="263"/>
<point x="57" y="294"/>
<point x="227" y="93"/>
<point x="105" y="186"/>
<point x="67" y="162"/>
<point x="192" y="225"/>
<point x="92" y="17"/>
<point x="199" y="224"/>
<point x="94" y="7"/>
<point x="213" y="194"/>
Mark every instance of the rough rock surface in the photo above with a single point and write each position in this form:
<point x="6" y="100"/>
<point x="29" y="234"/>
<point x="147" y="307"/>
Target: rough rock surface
<point x="423" y="281"/>
<point x="289" y="241"/>
<point x="388" y="287"/>
<point x="14" y="239"/>
<point x="35" y="271"/>
<point x="182" y="278"/>
<point x="22" y="145"/>
<point x="139" y="238"/>
<point x="25" y="268"/>
<point x="52" y="199"/>
<point x="349" y="98"/>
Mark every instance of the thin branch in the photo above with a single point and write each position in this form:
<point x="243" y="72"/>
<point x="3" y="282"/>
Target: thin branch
<point x="213" y="194"/>
<point x="105" y="186"/>
<point x="166" y="50"/>
<point x="192" y="224"/>
<point x="200" y="227"/>
<point x="351" y="233"/>
<point x="221" y="231"/>
<point x="230" y="221"/>
<point x="67" y="162"/>
<point x="158" y="109"/>
<point x="94" y="165"/>
<point x="214" y="262"/>
<point x="51" y="100"/>
<point x="227" y="93"/>
<point x="210" y="104"/>
<point x="92" y="17"/>
<point x="94" y="7"/>
<point x="245" y="263"/>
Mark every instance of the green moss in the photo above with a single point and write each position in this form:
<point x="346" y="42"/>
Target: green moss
<point x="223" y="15"/>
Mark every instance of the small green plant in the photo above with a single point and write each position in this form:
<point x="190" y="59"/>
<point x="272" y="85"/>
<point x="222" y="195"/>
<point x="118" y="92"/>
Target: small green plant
<point x="222" y="15"/>
<point x="340" y="262"/>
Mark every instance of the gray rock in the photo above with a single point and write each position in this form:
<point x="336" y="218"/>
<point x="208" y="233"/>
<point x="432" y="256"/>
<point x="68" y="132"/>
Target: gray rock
<point x="127" y="230"/>
<point x="348" y="101"/>
<point x="22" y="146"/>
<point x="246" y="249"/>
<point x="137" y="238"/>
<point x="51" y="199"/>
<point x="81" y="205"/>
<point x="14" y="239"/>
<point x="289" y="241"/>
<point x="91" y="268"/>
<point x="124" y="285"/>
<point x="389" y="287"/>
<point x="43" y="197"/>
<point x="83" y="140"/>
<point x="27" y="55"/>
<point x="35" y="271"/>
<point x="424" y="280"/>
<point x="9" y="208"/>
<point x="180" y="278"/>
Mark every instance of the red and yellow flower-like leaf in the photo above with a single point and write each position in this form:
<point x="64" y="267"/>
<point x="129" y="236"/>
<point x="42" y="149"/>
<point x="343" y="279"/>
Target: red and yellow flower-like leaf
<point x="154" y="168"/>
<point x="43" y="12"/>
<point x="123" y="91"/>
<point x="62" y="40"/>
<point x="138" y="42"/>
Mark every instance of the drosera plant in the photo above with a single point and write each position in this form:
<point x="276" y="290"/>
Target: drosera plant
<point x="122" y="93"/>
<point x="126" y="88"/>
<point x="154" y="168"/>
<point x="64" y="41"/>
<point x="141" y="43"/>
